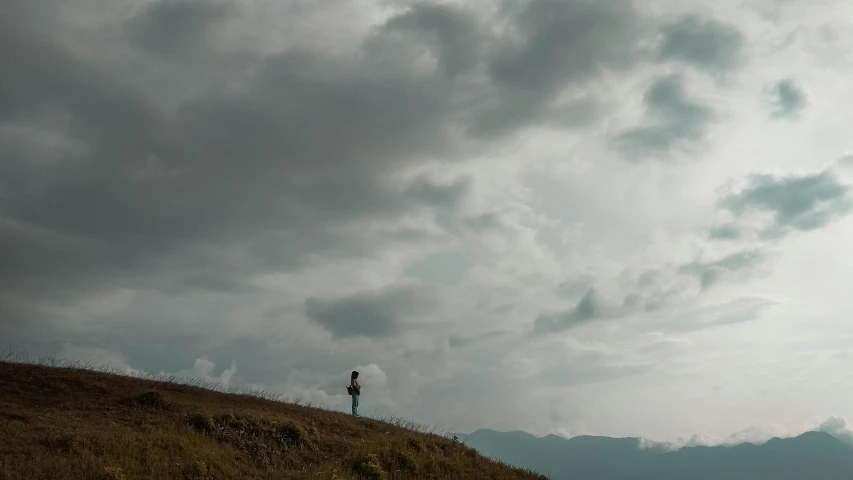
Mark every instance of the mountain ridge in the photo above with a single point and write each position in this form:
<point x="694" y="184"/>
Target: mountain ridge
<point x="813" y="455"/>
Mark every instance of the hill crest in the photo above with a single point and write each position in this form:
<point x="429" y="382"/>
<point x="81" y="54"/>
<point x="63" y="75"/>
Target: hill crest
<point x="67" y="423"/>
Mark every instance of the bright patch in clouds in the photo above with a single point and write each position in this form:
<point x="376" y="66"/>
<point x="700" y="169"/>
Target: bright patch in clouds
<point x="541" y="215"/>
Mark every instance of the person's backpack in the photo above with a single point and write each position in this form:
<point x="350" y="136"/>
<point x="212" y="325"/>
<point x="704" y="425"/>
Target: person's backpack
<point x="349" y="390"/>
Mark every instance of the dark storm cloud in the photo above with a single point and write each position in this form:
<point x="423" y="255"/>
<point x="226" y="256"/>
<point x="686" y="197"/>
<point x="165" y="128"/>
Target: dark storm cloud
<point x="672" y="120"/>
<point x="788" y="98"/>
<point x="798" y="202"/>
<point x="132" y="190"/>
<point x="556" y="45"/>
<point x="446" y="195"/>
<point x="453" y="32"/>
<point x="369" y="314"/>
<point x="102" y="189"/>
<point x="586" y="310"/>
<point x="108" y="182"/>
<point x="600" y="35"/>
<point x="704" y="43"/>
<point x="709" y="273"/>
<point x="315" y="122"/>
<point x="170" y="27"/>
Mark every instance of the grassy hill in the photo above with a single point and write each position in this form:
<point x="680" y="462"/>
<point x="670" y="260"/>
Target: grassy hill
<point x="75" y="423"/>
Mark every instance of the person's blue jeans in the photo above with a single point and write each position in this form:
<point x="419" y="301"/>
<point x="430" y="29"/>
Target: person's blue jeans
<point x="355" y="404"/>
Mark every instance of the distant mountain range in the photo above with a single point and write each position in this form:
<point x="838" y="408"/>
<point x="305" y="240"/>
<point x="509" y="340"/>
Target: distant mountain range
<point x="810" y="456"/>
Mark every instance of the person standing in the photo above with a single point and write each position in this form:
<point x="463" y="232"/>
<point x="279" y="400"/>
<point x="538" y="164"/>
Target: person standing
<point x="356" y="392"/>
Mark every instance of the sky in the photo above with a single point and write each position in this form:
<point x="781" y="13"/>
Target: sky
<point x="558" y="216"/>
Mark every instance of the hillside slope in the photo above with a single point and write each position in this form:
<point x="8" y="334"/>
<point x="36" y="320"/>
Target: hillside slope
<point x="62" y="423"/>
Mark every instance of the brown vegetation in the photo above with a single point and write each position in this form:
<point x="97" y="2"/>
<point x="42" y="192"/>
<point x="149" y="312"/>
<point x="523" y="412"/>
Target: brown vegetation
<point x="75" y="423"/>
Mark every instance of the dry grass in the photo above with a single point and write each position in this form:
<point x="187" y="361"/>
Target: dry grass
<point x="69" y="421"/>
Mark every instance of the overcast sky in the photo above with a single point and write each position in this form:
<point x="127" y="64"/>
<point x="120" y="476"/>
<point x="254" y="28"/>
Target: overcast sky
<point x="560" y="216"/>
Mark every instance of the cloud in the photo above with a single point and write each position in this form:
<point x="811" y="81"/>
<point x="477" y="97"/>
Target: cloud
<point x="759" y="434"/>
<point x="441" y="195"/>
<point x="98" y="357"/>
<point x="374" y="315"/>
<point x="837" y="427"/>
<point x="568" y="375"/>
<point x="483" y="222"/>
<point x="587" y="309"/>
<point x="457" y="341"/>
<point x="797" y="202"/>
<point x="371" y="375"/>
<point x="647" y="292"/>
<point x="664" y="344"/>
<point x="787" y="98"/>
<point x="203" y="369"/>
<point x="150" y="195"/>
<point x="704" y="43"/>
<point x="756" y="435"/>
<point x="242" y="181"/>
<point x="544" y="29"/>
<point x="454" y="33"/>
<point x="576" y="286"/>
<point x="174" y="27"/>
<point x="444" y="268"/>
<point x="279" y="162"/>
<point x="673" y="121"/>
<point x="744" y="309"/>
<point x="288" y="184"/>
<point x="709" y="273"/>
<point x="556" y="45"/>
<point x="724" y="232"/>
